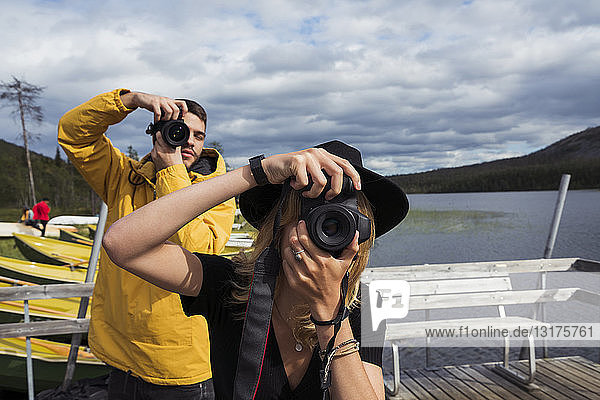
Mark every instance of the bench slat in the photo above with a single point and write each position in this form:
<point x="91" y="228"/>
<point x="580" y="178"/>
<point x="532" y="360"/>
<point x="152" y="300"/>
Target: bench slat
<point x="459" y="286"/>
<point x="435" y="271"/>
<point x="411" y="330"/>
<point x="439" y="301"/>
<point x="478" y="269"/>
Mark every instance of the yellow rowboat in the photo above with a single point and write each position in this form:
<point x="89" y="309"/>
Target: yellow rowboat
<point x="40" y="273"/>
<point x="49" y="364"/>
<point x="44" y="308"/>
<point x="92" y="229"/>
<point x="74" y="237"/>
<point x="53" y="251"/>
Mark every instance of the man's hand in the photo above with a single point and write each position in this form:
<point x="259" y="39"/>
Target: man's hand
<point x="163" y="108"/>
<point x="164" y="155"/>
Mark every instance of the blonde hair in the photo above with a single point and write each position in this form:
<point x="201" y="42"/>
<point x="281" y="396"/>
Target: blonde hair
<point x="302" y="328"/>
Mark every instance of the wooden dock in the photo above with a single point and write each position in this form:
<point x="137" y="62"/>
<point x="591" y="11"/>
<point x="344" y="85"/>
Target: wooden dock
<point x="557" y="378"/>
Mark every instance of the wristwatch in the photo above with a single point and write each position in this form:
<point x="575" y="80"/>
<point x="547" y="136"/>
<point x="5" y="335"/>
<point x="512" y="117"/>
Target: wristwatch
<point x="257" y="170"/>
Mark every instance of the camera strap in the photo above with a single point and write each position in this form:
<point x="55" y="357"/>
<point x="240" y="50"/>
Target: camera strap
<point x="325" y="370"/>
<point x="258" y="314"/>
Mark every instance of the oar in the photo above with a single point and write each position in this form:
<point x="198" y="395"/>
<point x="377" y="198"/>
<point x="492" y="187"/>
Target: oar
<point x="16" y="281"/>
<point x="71" y="265"/>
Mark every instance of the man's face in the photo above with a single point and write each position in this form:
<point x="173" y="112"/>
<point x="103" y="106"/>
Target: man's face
<point x="190" y="152"/>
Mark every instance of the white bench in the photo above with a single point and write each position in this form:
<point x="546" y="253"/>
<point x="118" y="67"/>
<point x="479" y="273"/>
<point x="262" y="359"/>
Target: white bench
<point x="449" y="286"/>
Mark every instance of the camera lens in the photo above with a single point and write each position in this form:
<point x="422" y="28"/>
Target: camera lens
<point x="330" y="227"/>
<point x="176" y="133"/>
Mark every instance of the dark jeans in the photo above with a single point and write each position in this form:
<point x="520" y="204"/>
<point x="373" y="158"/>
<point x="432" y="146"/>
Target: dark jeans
<point x="124" y="386"/>
<point x="41" y="222"/>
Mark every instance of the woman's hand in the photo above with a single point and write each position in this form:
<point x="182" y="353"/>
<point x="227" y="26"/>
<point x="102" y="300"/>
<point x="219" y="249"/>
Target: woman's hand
<point x="299" y="165"/>
<point x="317" y="276"/>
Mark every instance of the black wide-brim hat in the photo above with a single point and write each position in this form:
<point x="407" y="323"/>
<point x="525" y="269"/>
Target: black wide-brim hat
<point x="388" y="200"/>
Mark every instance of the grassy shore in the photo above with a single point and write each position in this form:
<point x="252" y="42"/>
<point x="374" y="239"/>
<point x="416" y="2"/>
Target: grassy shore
<point x="8" y="248"/>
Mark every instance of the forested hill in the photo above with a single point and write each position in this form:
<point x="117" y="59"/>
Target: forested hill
<point x="577" y="154"/>
<point x="54" y="178"/>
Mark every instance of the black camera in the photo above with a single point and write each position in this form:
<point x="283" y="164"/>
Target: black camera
<point x="174" y="132"/>
<point x="332" y="223"/>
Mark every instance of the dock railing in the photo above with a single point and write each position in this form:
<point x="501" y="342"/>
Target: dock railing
<point x="76" y="326"/>
<point x="43" y="328"/>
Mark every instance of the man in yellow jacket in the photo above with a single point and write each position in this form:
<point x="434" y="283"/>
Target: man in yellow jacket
<point x="139" y="329"/>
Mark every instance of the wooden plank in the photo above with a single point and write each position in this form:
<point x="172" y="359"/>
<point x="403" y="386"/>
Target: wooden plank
<point x="449" y="390"/>
<point x="533" y="296"/>
<point x="545" y="391"/>
<point x="434" y="271"/>
<point x="404" y="393"/>
<point x="408" y="330"/>
<point x="434" y="391"/>
<point x="564" y="389"/>
<point x="477" y="386"/>
<point x="417" y="390"/>
<point x="457" y="384"/>
<point x="584" y="362"/>
<point x="43" y="328"/>
<point x="46" y="291"/>
<point x="498" y="380"/>
<point x="492" y="385"/>
<point x="573" y="375"/>
<point x="478" y="269"/>
<point x="582" y="370"/>
<point x="448" y="286"/>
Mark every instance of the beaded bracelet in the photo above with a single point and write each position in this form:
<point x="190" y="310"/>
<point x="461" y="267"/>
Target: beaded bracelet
<point x="323" y="353"/>
<point x="353" y="348"/>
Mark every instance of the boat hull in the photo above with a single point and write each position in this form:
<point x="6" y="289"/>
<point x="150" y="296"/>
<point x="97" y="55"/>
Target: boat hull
<point x="52" y="251"/>
<point x="40" y="273"/>
<point x="49" y="364"/>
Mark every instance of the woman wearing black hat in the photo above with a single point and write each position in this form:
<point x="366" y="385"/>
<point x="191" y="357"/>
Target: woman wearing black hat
<point x="311" y="330"/>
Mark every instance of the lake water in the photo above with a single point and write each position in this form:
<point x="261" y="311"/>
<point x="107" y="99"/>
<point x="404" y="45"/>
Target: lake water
<point x="461" y="227"/>
<point x="464" y="227"/>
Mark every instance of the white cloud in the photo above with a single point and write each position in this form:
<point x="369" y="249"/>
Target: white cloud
<point x="415" y="85"/>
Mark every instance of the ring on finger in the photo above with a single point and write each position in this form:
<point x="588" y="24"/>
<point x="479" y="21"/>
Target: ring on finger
<point x="297" y="255"/>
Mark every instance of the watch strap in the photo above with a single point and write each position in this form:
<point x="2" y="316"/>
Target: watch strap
<point x="257" y="170"/>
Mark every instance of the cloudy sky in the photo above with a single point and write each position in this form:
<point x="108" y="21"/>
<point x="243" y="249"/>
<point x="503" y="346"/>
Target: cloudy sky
<point x="416" y="85"/>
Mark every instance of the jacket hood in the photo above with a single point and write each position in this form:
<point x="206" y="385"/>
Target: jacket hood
<point x="207" y="164"/>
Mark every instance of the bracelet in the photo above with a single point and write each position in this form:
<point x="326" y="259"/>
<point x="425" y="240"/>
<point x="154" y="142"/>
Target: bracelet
<point x="342" y="315"/>
<point x="257" y="170"/>
<point x="352" y="348"/>
<point x="355" y="346"/>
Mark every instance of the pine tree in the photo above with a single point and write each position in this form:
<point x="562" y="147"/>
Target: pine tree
<point x="132" y="153"/>
<point x="23" y="96"/>
<point x="57" y="158"/>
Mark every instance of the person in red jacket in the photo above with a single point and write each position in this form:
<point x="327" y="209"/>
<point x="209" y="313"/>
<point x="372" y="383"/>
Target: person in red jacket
<point x="40" y="214"/>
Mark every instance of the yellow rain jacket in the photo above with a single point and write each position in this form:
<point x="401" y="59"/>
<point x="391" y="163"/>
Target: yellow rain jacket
<point x="136" y="326"/>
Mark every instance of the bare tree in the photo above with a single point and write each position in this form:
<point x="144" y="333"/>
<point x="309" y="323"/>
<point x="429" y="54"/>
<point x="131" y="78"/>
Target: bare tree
<point x="23" y="96"/>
